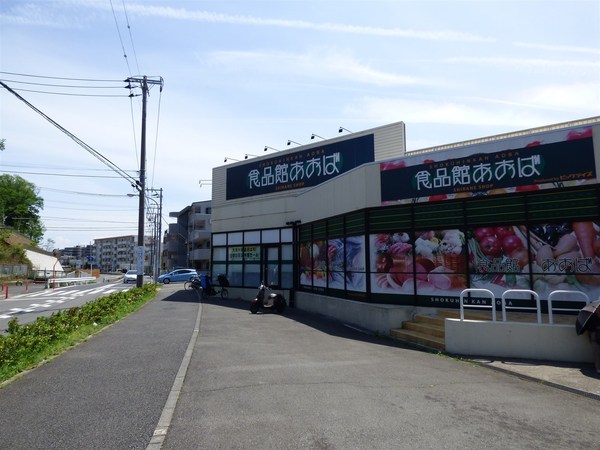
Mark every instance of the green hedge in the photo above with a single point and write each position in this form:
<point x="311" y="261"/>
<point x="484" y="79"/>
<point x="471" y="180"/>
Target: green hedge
<point x="26" y="345"/>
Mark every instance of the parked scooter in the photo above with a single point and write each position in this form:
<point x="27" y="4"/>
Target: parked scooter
<point x="273" y="302"/>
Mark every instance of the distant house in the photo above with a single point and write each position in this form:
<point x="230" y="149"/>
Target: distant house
<point x="43" y="264"/>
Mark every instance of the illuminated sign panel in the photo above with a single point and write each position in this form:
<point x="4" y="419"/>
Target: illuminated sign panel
<point x="537" y="165"/>
<point x="300" y="169"/>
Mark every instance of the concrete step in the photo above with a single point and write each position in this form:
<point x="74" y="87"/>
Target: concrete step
<point x="427" y="328"/>
<point x="433" y="320"/>
<point x="415" y="337"/>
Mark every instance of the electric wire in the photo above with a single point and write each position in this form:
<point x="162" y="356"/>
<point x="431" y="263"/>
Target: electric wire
<point x="60" y="78"/>
<point x="156" y="138"/>
<point x="58" y="174"/>
<point x="63" y="85"/>
<point x="93" y="152"/>
<point x="120" y="38"/>
<point x="131" y="38"/>
<point x="71" y="94"/>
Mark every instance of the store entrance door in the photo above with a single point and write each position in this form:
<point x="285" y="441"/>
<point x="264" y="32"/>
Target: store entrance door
<point x="271" y="265"/>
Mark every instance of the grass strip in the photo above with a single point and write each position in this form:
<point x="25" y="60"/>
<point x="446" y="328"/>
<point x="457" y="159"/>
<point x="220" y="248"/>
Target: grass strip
<point x="27" y="346"/>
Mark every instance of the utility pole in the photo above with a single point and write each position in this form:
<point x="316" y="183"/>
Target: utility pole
<point x="141" y="188"/>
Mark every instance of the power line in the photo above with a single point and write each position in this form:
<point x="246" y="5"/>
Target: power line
<point x="131" y="38"/>
<point x="60" y="78"/>
<point x="99" y="156"/>
<point x="46" y="166"/>
<point x="59" y="174"/>
<point x="83" y="193"/>
<point x="62" y="85"/>
<point x="86" y="220"/>
<point x="71" y="94"/>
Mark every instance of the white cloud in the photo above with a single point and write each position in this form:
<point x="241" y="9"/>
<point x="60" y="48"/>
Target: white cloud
<point x="559" y="48"/>
<point x="332" y="27"/>
<point x="316" y="64"/>
<point x="542" y="64"/>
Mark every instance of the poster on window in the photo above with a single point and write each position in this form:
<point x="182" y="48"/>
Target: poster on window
<point x="498" y="258"/>
<point x="440" y="262"/>
<point x="354" y="257"/>
<point x="566" y="256"/>
<point x="392" y="263"/>
<point x="313" y="263"/>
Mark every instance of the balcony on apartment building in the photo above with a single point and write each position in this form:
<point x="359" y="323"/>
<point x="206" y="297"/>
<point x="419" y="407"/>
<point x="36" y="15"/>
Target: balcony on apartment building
<point x="198" y="235"/>
<point x="200" y="254"/>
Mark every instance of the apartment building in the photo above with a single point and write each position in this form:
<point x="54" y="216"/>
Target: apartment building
<point x="186" y="243"/>
<point x="118" y="253"/>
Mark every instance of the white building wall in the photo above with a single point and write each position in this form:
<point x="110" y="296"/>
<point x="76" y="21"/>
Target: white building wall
<point x="356" y="189"/>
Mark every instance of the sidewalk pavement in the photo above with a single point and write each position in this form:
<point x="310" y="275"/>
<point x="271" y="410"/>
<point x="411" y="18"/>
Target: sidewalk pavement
<point x="580" y="379"/>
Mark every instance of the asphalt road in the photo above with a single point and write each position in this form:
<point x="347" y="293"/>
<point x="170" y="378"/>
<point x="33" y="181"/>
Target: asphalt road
<point x="277" y="382"/>
<point x="27" y="303"/>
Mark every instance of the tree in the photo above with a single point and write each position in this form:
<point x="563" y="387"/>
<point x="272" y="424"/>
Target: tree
<point x="20" y="206"/>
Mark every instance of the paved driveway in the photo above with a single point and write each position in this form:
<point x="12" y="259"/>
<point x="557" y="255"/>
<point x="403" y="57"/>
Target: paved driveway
<point x="298" y="381"/>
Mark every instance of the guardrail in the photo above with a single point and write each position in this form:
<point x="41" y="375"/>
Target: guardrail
<point x="57" y="282"/>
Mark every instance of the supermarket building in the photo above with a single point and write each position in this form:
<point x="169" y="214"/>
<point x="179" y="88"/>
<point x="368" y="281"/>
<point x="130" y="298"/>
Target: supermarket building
<point x="358" y="229"/>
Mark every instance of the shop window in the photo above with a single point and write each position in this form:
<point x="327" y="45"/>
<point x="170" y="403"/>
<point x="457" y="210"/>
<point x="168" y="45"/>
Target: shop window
<point x="252" y="237"/>
<point x="287" y="276"/>
<point x="270" y="236"/>
<point x="234" y="238"/>
<point x="219" y="254"/>
<point x="252" y="276"/>
<point x="287" y="235"/>
<point x="219" y="239"/>
<point x="235" y="274"/>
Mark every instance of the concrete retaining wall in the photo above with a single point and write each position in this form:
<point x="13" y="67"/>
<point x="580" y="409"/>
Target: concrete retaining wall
<point x="377" y="318"/>
<point x="517" y="340"/>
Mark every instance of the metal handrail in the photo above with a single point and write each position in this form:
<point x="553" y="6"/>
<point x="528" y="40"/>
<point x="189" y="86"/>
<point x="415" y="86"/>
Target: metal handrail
<point x="562" y="292"/>
<point x="480" y="291"/>
<point x="522" y="291"/>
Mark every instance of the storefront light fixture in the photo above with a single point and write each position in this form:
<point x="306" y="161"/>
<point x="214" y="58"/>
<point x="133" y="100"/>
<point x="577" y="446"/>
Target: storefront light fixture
<point x="271" y="148"/>
<point x="293" y="142"/>
<point x="227" y="158"/>
<point x="344" y="129"/>
<point x="312" y="136"/>
<point x="249" y="154"/>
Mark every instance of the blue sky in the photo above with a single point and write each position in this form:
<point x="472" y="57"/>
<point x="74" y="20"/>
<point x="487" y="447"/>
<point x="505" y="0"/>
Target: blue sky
<point x="239" y="75"/>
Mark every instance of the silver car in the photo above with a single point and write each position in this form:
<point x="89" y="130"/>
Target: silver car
<point x="130" y="276"/>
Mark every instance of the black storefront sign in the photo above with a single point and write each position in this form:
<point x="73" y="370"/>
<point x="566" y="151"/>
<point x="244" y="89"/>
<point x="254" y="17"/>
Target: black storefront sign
<point x="556" y="163"/>
<point x="300" y="169"/>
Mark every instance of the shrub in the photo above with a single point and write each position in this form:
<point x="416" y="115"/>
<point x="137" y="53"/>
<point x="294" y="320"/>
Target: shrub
<point x="25" y="346"/>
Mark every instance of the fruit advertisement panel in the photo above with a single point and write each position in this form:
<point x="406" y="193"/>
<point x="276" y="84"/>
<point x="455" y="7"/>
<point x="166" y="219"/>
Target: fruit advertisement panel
<point x="565" y="256"/>
<point x="498" y="258"/>
<point x="542" y="257"/>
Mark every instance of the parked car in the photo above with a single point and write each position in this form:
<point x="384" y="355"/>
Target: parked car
<point x="130" y="276"/>
<point x="177" y="275"/>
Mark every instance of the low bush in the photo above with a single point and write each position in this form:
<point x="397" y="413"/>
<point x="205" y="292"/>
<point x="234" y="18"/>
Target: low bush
<point x="25" y="346"/>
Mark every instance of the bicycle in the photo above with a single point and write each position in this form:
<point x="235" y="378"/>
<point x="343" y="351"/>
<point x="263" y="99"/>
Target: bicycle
<point x="192" y="283"/>
<point x="209" y="290"/>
